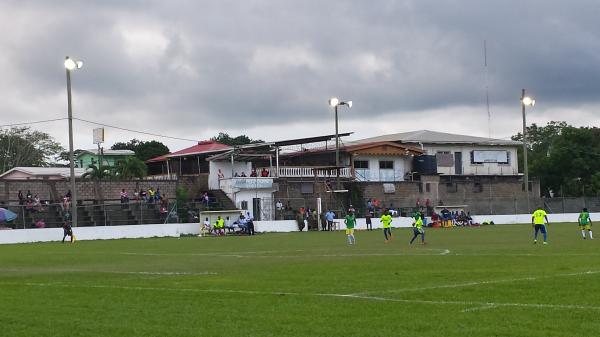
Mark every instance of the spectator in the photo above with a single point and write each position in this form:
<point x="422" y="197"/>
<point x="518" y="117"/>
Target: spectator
<point x="37" y="203"/>
<point x="206" y="229"/>
<point x="40" y="224"/>
<point x="249" y="224"/>
<point x="368" y="217"/>
<point x="329" y="217"/>
<point x="264" y="173"/>
<point x="68" y="195"/>
<point x="29" y="196"/>
<point x="243" y="174"/>
<point x="205" y="199"/>
<point x="220" y="175"/>
<point x="157" y="196"/>
<point x="151" y="195"/>
<point x="21" y="198"/>
<point x="124" y="196"/>
<point x="143" y="195"/>
<point x="236" y="175"/>
<point x="253" y="173"/>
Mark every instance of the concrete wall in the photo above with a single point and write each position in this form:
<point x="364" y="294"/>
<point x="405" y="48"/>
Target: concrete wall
<point x="401" y="166"/>
<point x="477" y="169"/>
<point x="176" y="230"/>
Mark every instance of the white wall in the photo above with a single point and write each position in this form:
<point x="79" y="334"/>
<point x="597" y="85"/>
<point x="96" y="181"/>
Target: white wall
<point x="225" y="166"/>
<point x="526" y="218"/>
<point x="176" y="230"/>
<point x="400" y="165"/>
<point x="476" y="169"/>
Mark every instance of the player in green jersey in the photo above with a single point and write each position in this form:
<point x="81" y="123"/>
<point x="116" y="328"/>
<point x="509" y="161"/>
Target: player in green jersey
<point x="350" y="221"/>
<point x="585" y="223"/>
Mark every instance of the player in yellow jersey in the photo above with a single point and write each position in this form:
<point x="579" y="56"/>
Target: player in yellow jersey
<point x="386" y="222"/>
<point x="539" y="220"/>
<point x="418" y="229"/>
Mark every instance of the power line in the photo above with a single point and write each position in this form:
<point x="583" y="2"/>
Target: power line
<point x="136" y="131"/>
<point x="35" y="122"/>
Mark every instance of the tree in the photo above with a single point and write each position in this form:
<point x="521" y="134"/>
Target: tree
<point x="143" y="150"/>
<point x="566" y="159"/>
<point x="226" y="139"/>
<point x="130" y="167"/>
<point x="94" y="173"/>
<point x="22" y="146"/>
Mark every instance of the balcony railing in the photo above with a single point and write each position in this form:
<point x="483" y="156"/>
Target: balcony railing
<point x="319" y="172"/>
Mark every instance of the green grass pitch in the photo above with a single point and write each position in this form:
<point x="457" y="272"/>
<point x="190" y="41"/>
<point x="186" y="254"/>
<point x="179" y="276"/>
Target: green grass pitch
<point x="489" y="281"/>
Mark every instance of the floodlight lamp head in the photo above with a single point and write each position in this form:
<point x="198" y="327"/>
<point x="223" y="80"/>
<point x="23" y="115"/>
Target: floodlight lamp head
<point x="528" y="101"/>
<point x="349" y="104"/>
<point x="334" y="102"/>
<point x="72" y="64"/>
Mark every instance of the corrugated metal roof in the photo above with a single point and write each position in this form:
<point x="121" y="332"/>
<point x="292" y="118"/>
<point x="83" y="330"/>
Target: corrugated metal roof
<point x="200" y="148"/>
<point x="109" y="152"/>
<point x="46" y="171"/>
<point x="434" y="137"/>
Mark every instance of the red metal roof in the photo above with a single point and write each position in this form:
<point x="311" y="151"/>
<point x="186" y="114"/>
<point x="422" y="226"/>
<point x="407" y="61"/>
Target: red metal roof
<point x="207" y="146"/>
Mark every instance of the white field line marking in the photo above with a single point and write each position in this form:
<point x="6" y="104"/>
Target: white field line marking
<point x="478" y="283"/>
<point x="483" y="307"/>
<point x="309" y="255"/>
<point x="155" y="273"/>
<point x="350" y="296"/>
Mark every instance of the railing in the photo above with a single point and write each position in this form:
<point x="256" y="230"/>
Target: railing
<point x="305" y="172"/>
<point x="110" y="213"/>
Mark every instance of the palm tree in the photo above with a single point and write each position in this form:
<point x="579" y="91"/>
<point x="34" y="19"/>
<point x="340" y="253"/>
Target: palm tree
<point x="94" y="173"/>
<point x="130" y="167"/>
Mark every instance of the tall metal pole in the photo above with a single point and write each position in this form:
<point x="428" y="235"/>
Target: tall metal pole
<point x="71" y="159"/>
<point x="337" y="148"/>
<point x="525" y="167"/>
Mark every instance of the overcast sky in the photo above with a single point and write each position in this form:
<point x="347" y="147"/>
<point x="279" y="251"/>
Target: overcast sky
<point x="266" y="68"/>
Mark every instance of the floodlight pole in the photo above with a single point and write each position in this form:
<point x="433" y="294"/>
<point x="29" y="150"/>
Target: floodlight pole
<point x="337" y="148"/>
<point x="71" y="157"/>
<point x="525" y="166"/>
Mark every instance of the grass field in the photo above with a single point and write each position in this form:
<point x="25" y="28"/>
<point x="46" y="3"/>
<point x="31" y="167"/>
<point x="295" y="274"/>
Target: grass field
<point x="489" y="281"/>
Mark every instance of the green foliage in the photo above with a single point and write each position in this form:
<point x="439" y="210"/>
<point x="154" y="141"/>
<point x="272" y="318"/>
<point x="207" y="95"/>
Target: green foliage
<point x="566" y="159"/>
<point x="94" y="173"/>
<point x="22" y="146"/>
<point x="130" y="167"/>
<point x="224" y="138"/>
<point x="489" y="281"/>
<point x="143" y="150"/>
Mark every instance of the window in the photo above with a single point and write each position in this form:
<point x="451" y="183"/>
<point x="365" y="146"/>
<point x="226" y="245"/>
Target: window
<point x="386" y="164"/>
<point x="451" y="188"/>
<point x="477" y="187"/>
<point x="307" y="188"/>
<point x="427" y="187"/>
<point x="490" y="156"/>
<point x="444" y="159"/>
<point x="361" y="164"/>
<point x="244" y="205"/>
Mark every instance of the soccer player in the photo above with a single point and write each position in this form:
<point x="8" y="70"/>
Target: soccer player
<point x="67" y="229"/>
<point x="350" y="222"/>
<point x="537" y="221"/>
<point x="585" y="223"/>
<point x="386" y="221"/>
<point x="220" y="226"/>
<point x="418" y="229"/>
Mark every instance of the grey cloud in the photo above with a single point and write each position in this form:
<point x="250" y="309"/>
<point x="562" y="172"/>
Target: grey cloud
<point x="213" y="65"/>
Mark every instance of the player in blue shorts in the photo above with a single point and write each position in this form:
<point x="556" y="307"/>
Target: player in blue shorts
<point x="539" y="220"/>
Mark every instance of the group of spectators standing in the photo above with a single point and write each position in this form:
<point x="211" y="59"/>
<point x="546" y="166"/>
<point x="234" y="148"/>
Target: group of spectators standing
<point x="31" y="202"/>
